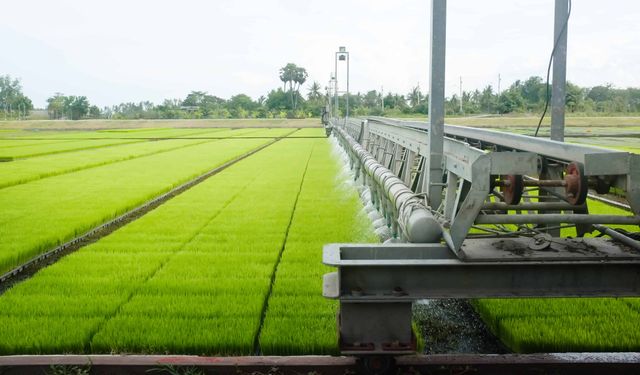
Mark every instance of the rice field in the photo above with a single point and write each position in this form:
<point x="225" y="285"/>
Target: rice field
<point x="55" y="209"/>
<point x="208" y="272"/>
<point x="231" y="266"/>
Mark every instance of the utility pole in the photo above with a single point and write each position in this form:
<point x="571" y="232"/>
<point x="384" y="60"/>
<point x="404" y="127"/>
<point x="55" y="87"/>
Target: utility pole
<point x="499" y="79"/>
<point x="460" y="94"/>
<point x="382" y="98"/>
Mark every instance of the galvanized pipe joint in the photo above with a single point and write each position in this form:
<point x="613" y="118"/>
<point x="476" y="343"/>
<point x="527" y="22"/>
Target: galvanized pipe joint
<point x="415" y="220"/>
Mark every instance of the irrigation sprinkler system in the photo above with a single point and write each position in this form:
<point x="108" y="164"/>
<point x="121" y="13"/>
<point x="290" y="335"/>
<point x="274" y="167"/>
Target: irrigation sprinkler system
<point x="476" y="213"/>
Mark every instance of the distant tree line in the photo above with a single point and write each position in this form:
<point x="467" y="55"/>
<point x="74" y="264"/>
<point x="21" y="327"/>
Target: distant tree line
<point x="527" y="96"/>
<point x="70" y="107"/>
<point x="521" y="97"/>
<point x="14" y="103"/>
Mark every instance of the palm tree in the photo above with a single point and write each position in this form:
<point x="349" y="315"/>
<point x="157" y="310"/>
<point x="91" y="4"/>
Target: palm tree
<point x="299" y="77"/>
<point x="314" y="91"/>
<point x="414" y="97"/>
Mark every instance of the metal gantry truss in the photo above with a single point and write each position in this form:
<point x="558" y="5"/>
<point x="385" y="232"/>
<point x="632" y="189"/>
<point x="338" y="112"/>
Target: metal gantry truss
<point x="474" y="213"/>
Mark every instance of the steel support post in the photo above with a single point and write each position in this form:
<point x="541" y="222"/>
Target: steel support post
<point x="558" y="93"/>
<point x="436" y="102"/>
<point x="335" y="87"/>
<point x="347" y="104"/>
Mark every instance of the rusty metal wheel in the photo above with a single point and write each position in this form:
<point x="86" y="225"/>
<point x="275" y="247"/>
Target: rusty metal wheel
<point x="576" y="187"/>
<point x="512" y="188"/>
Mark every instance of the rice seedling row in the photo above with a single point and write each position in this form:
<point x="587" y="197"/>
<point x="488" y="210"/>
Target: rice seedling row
<point x="36" y="263"/>
<point x="42" y="214"/>
<point x="184" y="278"/>
<point x="51" y="136"/>
<point x="563" y="324"/>
<point x="232" y="258"/>
<point x="26" y="170"/>
<point x="298" y="319"/>
<point x="12" y="149"/>
<point x="60" y="147"/>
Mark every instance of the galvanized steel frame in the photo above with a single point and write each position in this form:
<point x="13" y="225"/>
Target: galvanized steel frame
<point x="446" y="173"/>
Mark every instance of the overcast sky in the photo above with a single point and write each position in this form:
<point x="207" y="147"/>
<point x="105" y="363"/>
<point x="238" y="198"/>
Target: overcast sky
<point x="115" y="51"/>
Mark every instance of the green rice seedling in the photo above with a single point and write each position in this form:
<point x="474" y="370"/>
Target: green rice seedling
<point x="30" y="151"/>
<point x="309" y="132"/>
<point x="25" y="170"/>
<point x="318" y="335"/>
<point x="298" y="319"/>
<point x="206" y="268"/>
<point x="17" y="143"/>
<point x="194" y="306"/>
<point x="193" y="275"/>
<point x="271" y="132"/>
<point x="45" y="335"/>
<point x="165" y="284"/>
<point x="494" y="310"/>
<point x="48" y="305"/>
<point x="42" y="214"/>
<point x="176" y="335"/>
<point x="634" y="303"/>
<point x="572" y="333"/>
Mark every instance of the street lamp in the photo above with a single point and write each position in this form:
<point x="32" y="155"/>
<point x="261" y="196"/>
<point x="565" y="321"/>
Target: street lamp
<point x="341" y="55"/>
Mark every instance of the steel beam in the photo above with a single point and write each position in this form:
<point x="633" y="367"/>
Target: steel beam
<point x="437" y="59"/>
<point x="397" y="274"/>
<point x="558" y="94"/>
<point x="558" y="218"/>
<point x="597" y="161"/>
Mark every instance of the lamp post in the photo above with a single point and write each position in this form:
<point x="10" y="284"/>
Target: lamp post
<point x="341" y="55"/>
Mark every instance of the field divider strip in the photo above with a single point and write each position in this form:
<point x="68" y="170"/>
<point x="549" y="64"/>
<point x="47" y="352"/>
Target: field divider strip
<point x="265" y="305"/>
<point x="28" y="268"/>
